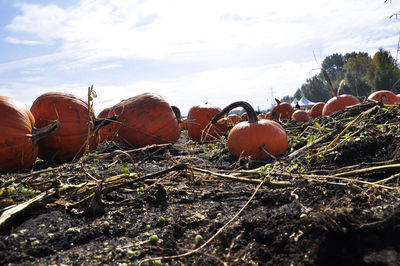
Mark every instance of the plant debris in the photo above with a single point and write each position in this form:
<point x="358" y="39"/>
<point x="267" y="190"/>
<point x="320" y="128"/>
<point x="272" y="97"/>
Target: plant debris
<point x="333" y="199"/>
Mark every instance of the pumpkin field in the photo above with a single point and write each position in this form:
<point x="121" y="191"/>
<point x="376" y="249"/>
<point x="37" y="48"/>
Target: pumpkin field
<point x="139" y="185"/>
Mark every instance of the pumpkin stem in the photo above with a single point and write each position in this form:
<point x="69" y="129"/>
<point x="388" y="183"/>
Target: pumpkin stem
<point x="340" y="87"/>
<point x="329" y="82"/>
<point x="177" y="113"/>
<point x="277" y="101"/>
<point x="101" y="122"/>
<point x="39" y="133"/>
<point x="252" y="116"/>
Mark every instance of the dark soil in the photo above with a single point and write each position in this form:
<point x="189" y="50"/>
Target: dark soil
<point x="315" y="206"/>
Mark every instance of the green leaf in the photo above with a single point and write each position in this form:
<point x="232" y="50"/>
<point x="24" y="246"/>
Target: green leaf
<point x="124" y="168"/>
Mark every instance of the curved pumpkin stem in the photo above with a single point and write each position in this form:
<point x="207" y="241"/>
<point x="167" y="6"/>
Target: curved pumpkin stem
<point x="252" y="116"/>
<point x="340" y="87"/>
<point x="39" y="133"/>
<point x="277" y="101"/>
<point x="177" y="113"/>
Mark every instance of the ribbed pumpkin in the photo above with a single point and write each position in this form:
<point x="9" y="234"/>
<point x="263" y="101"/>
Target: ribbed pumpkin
<point x="69" y="142"/>
<point x="251" y="138"/>
<point x="146" y="119"/>
<point x="282" y="111"/>
<point x="384" y="96"/>
<point x="300" y="116"/>
<point x="199" y="117"/>
<point x="19" y="136"/>
<point x="338" y="103"/>
<point x="316" y="110"/>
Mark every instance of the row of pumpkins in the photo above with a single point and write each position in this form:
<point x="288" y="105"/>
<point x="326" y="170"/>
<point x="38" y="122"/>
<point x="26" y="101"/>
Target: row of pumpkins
<point x="56" y="126"/>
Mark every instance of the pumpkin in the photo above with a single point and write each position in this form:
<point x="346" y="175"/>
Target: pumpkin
<point x="146" y="119"/>
<point x="258" y="139"/>
<point x="300" y="116"/>
<point x="233" y="119"/>
<point x="198" y="126"/>
<point x="338" y="103"/>
<point x="316" y="110"/>
<point x="69" y="142"/>
<point x="244" y="116"/>
<point x="19" y="136"/>
<point x="282" y="111"/>
<point x="384" y="96"/>
<point x="183" y="124"/>
<point x="107" y="132"/>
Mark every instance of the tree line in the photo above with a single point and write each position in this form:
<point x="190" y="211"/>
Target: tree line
<point x="362" y="75"/>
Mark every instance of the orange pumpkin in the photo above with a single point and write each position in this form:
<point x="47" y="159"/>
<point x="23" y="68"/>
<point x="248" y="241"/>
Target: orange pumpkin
<point x="69" y="142"/>
<point x="316" y="110"/>
<point x="258" y="139"/>
<point x="146" y="119"/>
<point x="19" y="136"/>
<point x="107" y="132"/>
<point x="183" y="124"/>
<point x="384" y="96"/>
<point x="198" y="123"/>
<point x="233" y="119"/>
<point x="282" y="111"/>
<point x="300" y="116"/>
<point x="338" y="103"/>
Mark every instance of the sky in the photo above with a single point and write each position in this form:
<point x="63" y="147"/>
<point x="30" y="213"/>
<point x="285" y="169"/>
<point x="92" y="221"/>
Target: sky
<point x="190" y="52"/>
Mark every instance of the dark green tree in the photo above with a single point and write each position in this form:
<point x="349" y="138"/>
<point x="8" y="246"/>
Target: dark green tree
<point x="315" y="89"/>
<point x="355" y="74"/>
<point x="333" y="64"/>
<point x="384" y="73"/>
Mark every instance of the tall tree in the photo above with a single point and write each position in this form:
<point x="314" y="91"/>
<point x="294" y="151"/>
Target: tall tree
<point x="384" y="74"/>
<point x="355" y="73"/>
<point x="315" y="89"/>
<point x="333" y="64"/>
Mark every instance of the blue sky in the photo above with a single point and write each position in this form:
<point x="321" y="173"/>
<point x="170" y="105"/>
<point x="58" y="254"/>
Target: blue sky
<point x="190" y="52"/>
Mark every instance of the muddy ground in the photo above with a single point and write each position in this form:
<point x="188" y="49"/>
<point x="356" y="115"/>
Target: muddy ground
<point x="333" y="199"/>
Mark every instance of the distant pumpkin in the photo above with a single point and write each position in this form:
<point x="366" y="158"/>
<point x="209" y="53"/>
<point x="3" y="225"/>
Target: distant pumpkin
<point x="146" y="119"/>
<point x="282" y="111"/>
<point x="233" y="119"/>
<point x="316" y="110"/>
<point x="300" y="116"/>
<point x="338" y="103"/>
<point x="199" y="129"/>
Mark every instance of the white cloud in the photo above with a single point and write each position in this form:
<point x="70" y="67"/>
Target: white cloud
<point x="241" y="48"/>
<point x="20" y="41"/>
<point x="160" y="29"/>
